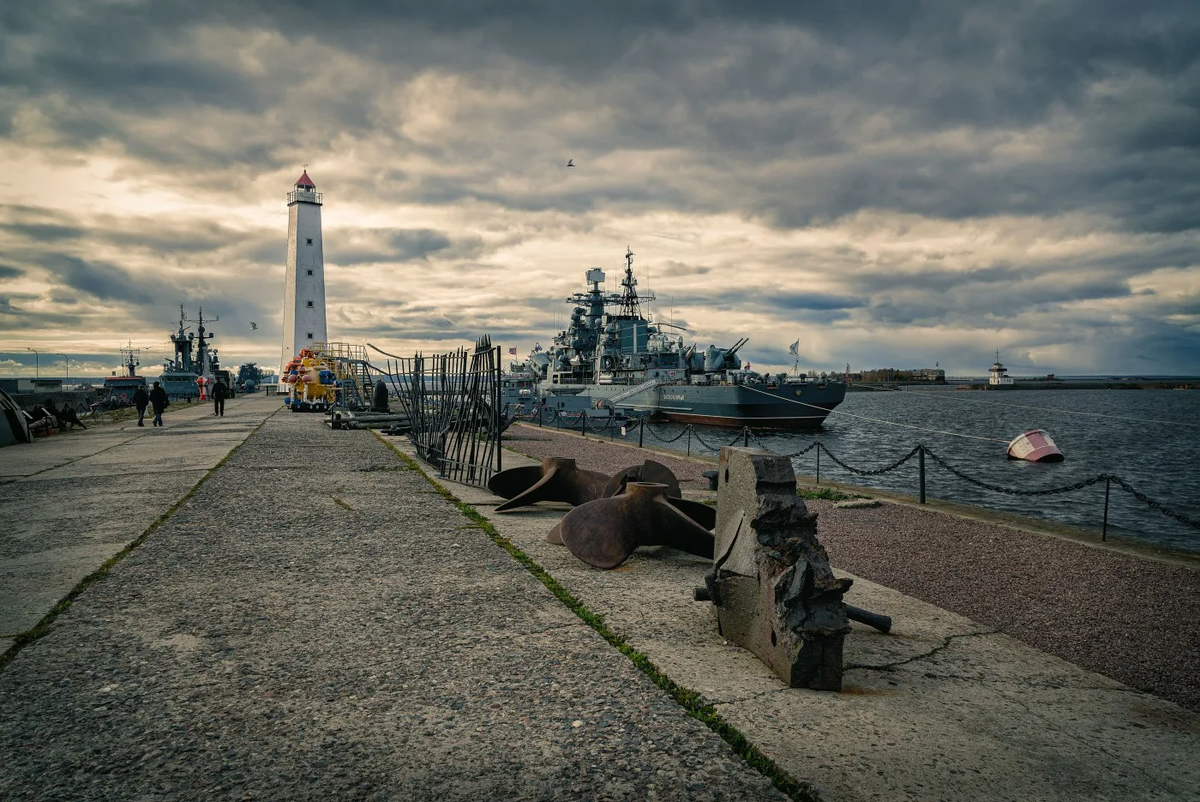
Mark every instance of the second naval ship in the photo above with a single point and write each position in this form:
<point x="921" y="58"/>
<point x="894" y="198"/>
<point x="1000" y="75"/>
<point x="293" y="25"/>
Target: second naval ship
<point x="180" y="373"/>
<point x="622" y="361"/>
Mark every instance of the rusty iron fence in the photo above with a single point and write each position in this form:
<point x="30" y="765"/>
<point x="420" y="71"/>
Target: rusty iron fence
<point x="453" y="404"/>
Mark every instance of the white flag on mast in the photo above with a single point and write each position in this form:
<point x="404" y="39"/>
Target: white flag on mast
<point x="794" y="348"/>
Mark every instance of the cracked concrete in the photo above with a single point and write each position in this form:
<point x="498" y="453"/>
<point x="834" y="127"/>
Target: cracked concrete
<point x="941" y="708"/>
<point x="945" y="644"/>
<point x="64" y="490"/>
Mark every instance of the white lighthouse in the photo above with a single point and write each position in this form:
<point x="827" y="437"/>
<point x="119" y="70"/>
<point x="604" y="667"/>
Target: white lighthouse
<point x="304" y="283"/>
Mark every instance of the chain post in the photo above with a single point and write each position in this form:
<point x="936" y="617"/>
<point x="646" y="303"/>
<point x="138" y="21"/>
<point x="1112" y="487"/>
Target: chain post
<point x="641" y="430"/>
<point x="819" y="462"/>
<point x="921" y="463"/>
<point x="583" y="432"/>
<point x="541" y="407"/>
<point x="689" y="444"/>
<point x="1104" y="528"/>
<point x="745" y="437"/>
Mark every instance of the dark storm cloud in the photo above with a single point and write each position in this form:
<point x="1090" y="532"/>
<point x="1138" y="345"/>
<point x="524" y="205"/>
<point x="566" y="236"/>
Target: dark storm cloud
<point x="18" y="318"/>
<point x="670" y="269"/>
<point x="349" y="247"/>
<point x="43" y="231"/>
<point x="817" y="302"/>
<point x="177" y="237"/>
<point x="8" y="271"/>
<point x="996" y="305"/>
<point x="101" y="280"/>
<point x="735" y="84"/>
<point x="783" y="113"/>
<point x="38" y="225"/>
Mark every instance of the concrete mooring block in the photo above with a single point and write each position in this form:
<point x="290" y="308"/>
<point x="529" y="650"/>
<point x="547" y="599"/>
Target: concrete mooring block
<point x="773" y="588"/>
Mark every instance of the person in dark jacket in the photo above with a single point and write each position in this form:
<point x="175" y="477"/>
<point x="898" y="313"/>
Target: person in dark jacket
<point x="158" y="398"/>
<point x="141" y="400"/>
<point x="220" y="393"/>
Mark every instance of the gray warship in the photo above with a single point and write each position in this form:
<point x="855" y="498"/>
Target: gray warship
<point x="181" y="371"/>
<point x="623" y="364"/>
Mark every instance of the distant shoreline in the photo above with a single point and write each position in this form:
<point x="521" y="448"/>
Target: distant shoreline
<point x="1191" y="383"/>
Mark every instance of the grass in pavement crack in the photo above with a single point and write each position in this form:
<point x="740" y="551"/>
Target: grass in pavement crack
<point x="43" y="626"/>
<point x="694" y="703"/>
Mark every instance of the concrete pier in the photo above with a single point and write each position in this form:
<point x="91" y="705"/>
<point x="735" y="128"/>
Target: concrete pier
<point x="72" y="501"/>
<point x="310" y="618"/>
<point x="316" y="622"/>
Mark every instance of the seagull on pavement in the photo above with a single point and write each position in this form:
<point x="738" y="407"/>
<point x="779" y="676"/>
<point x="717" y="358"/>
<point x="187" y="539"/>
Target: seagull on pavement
<point x="253" y="326"/>
<point x="570" y="162"/>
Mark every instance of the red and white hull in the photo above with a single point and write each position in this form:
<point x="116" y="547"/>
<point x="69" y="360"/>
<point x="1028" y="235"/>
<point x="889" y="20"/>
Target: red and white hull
<point x="1034" y="445"/>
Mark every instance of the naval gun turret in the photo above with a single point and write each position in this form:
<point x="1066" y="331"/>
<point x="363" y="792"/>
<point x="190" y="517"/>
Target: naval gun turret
<point x="714" y="359"/>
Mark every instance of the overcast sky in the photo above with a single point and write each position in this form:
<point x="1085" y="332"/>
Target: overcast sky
<point x="892" y="183"/>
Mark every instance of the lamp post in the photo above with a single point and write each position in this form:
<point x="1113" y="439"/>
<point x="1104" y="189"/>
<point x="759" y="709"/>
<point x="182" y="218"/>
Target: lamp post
<point x="37" y="357"/>
<point x="67" y="362"/>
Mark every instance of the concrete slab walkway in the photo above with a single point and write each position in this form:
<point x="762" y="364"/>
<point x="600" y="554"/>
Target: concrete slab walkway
<point x="942" y="708"/>
<point x="72" y="501"/>
<point x="317" y="622"/>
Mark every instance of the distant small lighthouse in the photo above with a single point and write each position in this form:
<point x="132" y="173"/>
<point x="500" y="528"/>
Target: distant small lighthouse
<point x="998" y="375"/>
<point x="304" y="282"/>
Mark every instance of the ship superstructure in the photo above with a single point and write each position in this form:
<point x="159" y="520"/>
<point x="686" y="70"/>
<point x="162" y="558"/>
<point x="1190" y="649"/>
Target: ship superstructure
<point x="193" y="357"/>
<point x="127" y="383"/>
<point x="617" y="358"/>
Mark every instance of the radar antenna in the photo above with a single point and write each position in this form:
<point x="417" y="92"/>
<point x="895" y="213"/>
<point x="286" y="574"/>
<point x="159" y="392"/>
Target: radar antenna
<point x="130" y="360"/>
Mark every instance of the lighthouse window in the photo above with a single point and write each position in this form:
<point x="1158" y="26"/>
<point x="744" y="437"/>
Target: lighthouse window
<point x="310" y="272"/>
<point x="308" y="241"/>
<point x="310" y="306"/>
<point x="310" y="335"/>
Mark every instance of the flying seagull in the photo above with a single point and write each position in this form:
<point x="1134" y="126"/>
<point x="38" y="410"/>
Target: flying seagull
<point x="570" y="162"/>
<point x="253" y="326"/>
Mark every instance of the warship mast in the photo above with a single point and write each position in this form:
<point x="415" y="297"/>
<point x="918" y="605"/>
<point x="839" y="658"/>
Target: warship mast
<point x="131" y="361"/>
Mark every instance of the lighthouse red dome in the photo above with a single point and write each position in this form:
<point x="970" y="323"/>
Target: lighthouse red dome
<point x="305" y="182"/>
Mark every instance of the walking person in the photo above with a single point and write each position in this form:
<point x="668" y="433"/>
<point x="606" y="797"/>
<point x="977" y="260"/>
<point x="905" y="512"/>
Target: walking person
<point x="220" y="393"/>
<point x="141" y="400"/>
<point x="158" y="398"/>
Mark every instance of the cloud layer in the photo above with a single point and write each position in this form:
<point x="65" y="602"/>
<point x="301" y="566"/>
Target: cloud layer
<point x="895" y="183"/>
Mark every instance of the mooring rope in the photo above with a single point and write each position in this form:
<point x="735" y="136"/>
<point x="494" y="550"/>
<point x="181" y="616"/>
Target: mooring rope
<point x="880" y="420"/>
<point x="947" y="394"/>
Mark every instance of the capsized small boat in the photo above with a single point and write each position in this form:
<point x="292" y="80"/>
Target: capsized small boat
<point x="1034" y="445"/>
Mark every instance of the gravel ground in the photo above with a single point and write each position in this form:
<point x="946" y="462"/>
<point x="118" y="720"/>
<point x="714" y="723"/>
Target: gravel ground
<point x="603" y="457"/>
<point x="1130" y="619"/>
<point x="317" y="623"/>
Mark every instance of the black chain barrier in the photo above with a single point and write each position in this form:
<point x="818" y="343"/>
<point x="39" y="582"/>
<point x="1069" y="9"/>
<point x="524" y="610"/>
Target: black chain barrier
<point x="746" y="433"/>
<point x="877" y="472"/>
<point x="702" y="441"/>
<point x="1008" y="491"/>
<point x="804" y="451"/>
<point x="574" y="420"/>
<point x="660" y="439"/>
<point x="1142" y="497"/>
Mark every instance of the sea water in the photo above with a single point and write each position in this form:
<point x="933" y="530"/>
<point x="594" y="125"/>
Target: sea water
<point x="1150" y="438"/>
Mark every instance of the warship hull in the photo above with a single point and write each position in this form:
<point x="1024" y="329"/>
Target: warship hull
<point x="179" y="384"/>
<point x="787" y="406"/>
